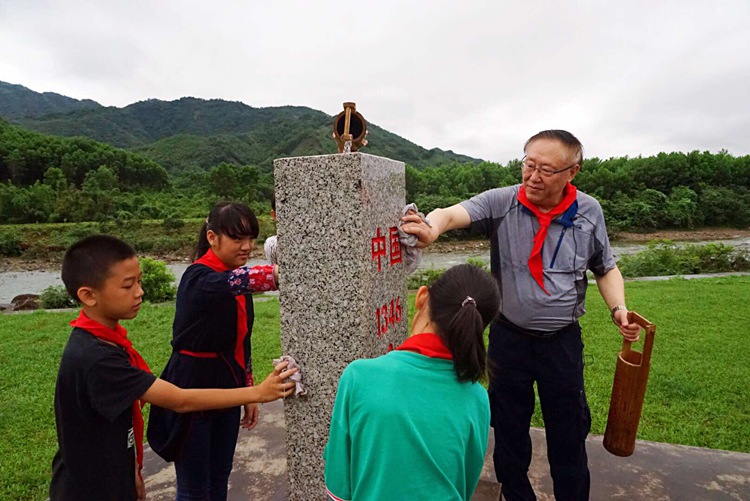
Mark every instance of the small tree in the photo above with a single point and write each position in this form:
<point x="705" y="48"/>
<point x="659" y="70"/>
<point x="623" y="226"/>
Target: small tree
<point x="157" y="281"/>
<point x="54" y="177"/>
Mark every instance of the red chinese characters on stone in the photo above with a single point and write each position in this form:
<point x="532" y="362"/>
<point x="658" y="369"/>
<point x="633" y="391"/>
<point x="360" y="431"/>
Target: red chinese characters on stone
<point x="395" y="245"/>
<point x="378" y="248"/>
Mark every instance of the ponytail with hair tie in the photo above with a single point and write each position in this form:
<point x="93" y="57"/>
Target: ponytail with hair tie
<point x="468" y="300"/>
<point x="462" y="329"/>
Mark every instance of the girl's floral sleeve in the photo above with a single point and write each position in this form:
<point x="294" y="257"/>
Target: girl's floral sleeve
<point x="256" y="279"/>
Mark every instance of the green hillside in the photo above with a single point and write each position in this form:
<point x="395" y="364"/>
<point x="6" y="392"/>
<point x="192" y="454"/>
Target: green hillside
<point x="191" y="132"/>
<point x="261" y="146"/>
<point x="146" y="122"/>
<point x="18" y="101"/>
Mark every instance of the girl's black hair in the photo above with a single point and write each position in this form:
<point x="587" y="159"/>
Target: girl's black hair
<point x="233" y="219"/>
<point x="463" y="301"/>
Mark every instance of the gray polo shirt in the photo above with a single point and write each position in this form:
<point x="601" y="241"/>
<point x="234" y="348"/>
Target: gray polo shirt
<point x="580" y="245"/>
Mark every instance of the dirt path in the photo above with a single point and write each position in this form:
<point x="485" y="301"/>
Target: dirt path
<point x="683" y="235"/>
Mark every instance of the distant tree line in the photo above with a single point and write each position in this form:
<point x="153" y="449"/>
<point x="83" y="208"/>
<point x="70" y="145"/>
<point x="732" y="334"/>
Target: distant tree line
<point x="669" y="190"/>
<point x="50" y="179"/>
<point x="101" y="198"/>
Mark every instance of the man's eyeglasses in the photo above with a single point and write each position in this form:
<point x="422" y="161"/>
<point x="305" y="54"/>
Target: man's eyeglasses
<point x="543" y="171"/>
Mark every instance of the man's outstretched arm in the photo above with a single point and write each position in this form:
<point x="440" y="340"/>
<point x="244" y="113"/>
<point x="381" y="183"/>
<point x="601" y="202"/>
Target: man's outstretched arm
<point x="441" y="220"/>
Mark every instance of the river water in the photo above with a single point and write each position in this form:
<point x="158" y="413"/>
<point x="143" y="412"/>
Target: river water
<point x="13" y="283"/>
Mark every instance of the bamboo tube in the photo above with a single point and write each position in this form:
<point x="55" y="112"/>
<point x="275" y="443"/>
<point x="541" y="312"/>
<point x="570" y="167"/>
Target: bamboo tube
<point x="628" y="391"/>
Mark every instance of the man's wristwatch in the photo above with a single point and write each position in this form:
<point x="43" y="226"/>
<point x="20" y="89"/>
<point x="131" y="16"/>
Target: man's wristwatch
<point x="617" y="308"/>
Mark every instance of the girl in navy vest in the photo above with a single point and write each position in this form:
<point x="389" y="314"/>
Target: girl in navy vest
<point x="211" y="349"/>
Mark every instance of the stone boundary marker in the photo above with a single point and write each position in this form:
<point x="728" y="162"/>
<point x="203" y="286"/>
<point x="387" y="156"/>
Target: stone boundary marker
<point x="342" y="288"/>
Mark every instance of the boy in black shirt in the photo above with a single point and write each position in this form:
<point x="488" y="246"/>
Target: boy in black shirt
<point x="103" y="381"/>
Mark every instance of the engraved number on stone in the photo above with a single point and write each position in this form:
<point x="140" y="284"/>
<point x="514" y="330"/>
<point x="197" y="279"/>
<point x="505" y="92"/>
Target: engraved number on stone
<point x="388" y="315"/>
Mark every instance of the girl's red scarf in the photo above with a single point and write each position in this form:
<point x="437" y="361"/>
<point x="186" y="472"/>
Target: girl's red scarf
<point x="427" y="344"/>
<point x="545" y="219"/>
<point x="119" y="336"/>
<point x="212" y="261"/>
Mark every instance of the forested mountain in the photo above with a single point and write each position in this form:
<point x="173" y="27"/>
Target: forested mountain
<point x="17" y="101"/>
<point x="284" y="138"/>
<point x="27" y="156"/>
<point x="192" y="132"/>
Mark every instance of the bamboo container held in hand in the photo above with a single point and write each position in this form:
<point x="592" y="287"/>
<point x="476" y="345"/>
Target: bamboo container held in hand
<point x="628" y="391"/>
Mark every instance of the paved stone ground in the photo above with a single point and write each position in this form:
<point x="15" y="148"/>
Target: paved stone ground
<point x="655" y="472"/>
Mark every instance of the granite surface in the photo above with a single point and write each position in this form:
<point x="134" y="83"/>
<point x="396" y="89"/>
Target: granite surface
<point x="342" y="287"/>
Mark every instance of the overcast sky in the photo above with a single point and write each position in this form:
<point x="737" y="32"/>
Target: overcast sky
<point x="628" y="78"/>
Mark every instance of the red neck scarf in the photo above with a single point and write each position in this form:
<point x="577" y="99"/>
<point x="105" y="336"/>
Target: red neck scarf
<point x="427" y="344"/>
<point x="119" y="336"/>
<point x="212" y="261"/>
<point x="545" y="219"/>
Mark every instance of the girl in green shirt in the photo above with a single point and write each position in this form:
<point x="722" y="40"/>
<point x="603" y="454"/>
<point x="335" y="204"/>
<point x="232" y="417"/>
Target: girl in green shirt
<point x="413" y="424"/>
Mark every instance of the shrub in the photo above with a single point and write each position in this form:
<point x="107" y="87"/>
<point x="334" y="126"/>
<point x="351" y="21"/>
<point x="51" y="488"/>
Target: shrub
<point x="132" y="224"/>
<point x="107" y="226"/>
<point x="165" y="244"/>
<point x="664" y="258"/>
<point x="423" y="277"/>
<point x="713" y="257"/>
<point x="79" y="231"/>
<point x="149" y="211"/>
<point x="141" y="243"/>
<point x="171" y="223"/>
<point x="475" y="261"/>
<point x="741" y="260"/>
<point x="55" y="296"/>
<point x="157" y="281"/>
<point x="429" y="275"/>
<point x="660" y="258"/>
<point x="10" y="243"/>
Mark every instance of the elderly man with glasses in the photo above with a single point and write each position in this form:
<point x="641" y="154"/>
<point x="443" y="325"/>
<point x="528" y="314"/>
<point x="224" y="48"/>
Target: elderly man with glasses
<point x="544" y="236"/>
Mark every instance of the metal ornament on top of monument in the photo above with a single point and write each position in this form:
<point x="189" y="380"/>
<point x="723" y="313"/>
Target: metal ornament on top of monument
<point x="349" y="129"/>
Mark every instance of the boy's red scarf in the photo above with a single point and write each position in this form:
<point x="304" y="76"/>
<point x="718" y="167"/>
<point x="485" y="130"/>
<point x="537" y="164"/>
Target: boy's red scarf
<point x="212" y="261"/>
<point x="119" y="336"/>
<point x="545" y="219"/>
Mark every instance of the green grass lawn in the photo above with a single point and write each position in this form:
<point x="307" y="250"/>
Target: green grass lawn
<point x="698" y="392"/>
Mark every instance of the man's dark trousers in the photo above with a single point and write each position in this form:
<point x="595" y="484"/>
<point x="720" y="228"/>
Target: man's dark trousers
<point x="517" y="359"/>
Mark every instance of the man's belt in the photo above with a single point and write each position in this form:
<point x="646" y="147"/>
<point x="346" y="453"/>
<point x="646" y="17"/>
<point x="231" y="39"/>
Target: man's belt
<point x="532" y="332"/>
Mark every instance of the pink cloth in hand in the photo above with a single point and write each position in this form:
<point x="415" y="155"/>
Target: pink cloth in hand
<point x="296" y="377"/>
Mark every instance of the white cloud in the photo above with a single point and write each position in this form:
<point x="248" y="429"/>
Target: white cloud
<point x="627" y="78"/>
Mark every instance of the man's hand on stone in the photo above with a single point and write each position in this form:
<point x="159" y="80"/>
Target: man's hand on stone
<point x="630" y="331"/>
<point x="414" y="225"/>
